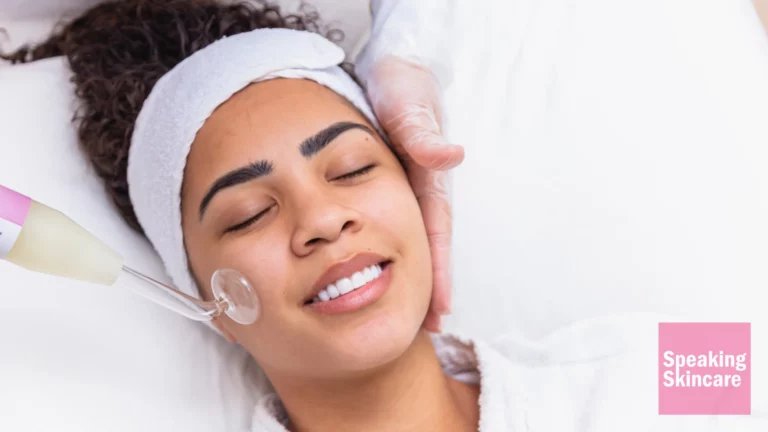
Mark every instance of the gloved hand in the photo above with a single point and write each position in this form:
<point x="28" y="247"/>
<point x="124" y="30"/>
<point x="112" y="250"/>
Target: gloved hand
<point x="405" y="97"/>
<point x="400" y="70"/>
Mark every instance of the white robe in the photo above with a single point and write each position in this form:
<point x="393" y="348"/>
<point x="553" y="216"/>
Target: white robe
<point x="595" y="376"/>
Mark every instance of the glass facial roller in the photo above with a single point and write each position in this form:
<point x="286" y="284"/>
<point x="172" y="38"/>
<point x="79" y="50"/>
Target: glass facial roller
<point x="41" y="239"/>
<point x="233" y="296"/>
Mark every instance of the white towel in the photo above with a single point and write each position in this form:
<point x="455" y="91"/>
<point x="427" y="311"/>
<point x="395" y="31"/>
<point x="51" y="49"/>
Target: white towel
<point x="186" y="96"/>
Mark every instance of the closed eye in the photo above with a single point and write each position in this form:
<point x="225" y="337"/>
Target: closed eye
<point x="362" y="171"/>
<point x="249" y="221"/>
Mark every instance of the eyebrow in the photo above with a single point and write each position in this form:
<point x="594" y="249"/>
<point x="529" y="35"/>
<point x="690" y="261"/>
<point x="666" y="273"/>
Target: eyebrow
<point x="312" y="145"/>
<point x="234" y="178"/>
<point x="308" y="148"/>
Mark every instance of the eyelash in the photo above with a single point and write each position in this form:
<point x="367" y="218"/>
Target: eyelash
<point x="248" y="222"/>
<point x="245" y="224"/>
<point x="362" y="171"/>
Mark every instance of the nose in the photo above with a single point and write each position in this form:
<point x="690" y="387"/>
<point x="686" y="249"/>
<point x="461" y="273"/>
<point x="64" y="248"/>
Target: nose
<point x="322" y="220"/>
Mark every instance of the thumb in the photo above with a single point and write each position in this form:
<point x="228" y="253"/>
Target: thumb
<point x="416" y="131"/>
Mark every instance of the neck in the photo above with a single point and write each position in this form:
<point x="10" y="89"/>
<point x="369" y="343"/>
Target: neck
<point x="410" y="394"/>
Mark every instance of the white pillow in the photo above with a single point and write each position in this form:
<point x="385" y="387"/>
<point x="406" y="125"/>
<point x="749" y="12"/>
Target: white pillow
<point x="83" y="357"/>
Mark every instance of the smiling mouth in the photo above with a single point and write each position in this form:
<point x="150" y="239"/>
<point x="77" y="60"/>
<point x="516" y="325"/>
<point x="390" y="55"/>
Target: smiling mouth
<point x="346" y="285"/>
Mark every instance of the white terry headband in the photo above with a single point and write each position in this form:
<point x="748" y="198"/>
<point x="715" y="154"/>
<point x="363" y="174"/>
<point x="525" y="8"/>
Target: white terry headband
<point x="186" y="96"/>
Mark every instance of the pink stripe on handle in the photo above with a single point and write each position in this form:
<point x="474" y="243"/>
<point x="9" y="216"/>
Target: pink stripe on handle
<point x="13" y="206"/>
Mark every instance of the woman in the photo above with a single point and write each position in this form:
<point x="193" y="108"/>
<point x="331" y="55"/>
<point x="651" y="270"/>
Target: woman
<point x="351" y="363"/>
<point x="403" y="82"/>
<point x="289" y="182"/>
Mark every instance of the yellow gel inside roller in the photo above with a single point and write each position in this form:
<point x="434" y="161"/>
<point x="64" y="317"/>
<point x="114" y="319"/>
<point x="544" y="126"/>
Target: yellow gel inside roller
<point x="52" y="243"/>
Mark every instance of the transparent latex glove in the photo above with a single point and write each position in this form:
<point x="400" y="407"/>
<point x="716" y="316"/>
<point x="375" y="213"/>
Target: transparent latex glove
<point x="405" y="98"/>
<point x="404" y="68"/>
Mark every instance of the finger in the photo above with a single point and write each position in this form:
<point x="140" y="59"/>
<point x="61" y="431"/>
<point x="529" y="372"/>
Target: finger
<point x="437" y="158"/>
<point x="440" y="245"/>
<point x="415" y="130"/>
<point x="432" y="322"/>
<point x="429" y="188"/>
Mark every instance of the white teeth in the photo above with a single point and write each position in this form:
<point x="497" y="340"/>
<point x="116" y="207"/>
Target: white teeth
<point x="358" y="280"/>
<point x="347" y="285"/>
<point x="369" y="274"/>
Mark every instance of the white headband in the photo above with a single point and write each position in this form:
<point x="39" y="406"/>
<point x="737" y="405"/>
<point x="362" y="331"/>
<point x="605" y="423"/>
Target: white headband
<point x="186" y="96"/>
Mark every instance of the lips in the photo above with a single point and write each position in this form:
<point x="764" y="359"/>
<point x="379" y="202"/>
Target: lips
<point x="345" y="269"/>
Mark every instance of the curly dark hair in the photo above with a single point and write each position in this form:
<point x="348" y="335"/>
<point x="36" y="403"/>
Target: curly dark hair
<point x="117" y="51"/>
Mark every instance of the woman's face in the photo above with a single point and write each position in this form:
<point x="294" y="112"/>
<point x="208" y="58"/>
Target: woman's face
<point x="289" y="184"/>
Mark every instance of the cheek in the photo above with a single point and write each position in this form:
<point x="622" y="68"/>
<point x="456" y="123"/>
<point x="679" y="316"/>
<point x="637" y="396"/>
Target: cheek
<point x="392" y="206"/>
<point x="265" y="263"/>
<point x="392" y="209"/>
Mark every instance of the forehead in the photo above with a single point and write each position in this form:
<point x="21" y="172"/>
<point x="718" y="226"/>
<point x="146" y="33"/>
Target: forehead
<point x="275" y="113"/>
<point x="266" y="120"/>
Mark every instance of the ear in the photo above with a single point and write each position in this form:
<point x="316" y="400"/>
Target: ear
<point x="220" y="326"/>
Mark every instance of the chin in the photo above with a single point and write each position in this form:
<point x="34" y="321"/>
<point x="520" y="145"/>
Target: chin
<point x="374" y="344"/>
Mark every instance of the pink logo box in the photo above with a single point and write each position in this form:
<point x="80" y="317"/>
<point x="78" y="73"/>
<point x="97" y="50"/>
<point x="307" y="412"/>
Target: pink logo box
<point x="704" y="368"/>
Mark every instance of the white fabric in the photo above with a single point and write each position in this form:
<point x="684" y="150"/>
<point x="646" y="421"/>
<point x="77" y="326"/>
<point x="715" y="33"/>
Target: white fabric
<point x="617" y="157"/>
<point x="78" y="357"/>
<point x="599" y="375"/>
<point x="186" y="96"/>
